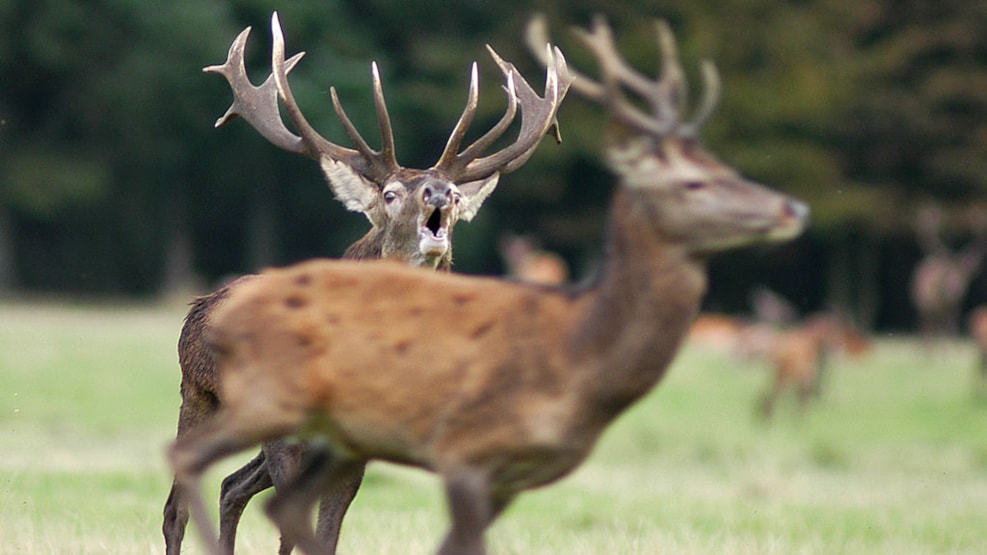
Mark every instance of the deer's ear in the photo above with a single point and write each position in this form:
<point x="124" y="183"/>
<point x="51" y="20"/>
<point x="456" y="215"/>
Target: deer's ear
<point x="356" y="192"/>
<point x="473" y="195"/>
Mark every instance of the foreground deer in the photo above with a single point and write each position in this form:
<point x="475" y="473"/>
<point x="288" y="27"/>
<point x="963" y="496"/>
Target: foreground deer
<point x="514" y="382"/>
<point x="412" y="212"/>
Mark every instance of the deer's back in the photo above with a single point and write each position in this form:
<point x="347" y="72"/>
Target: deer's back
<point x="195" y="355"/>
<point x="399" y="360"/>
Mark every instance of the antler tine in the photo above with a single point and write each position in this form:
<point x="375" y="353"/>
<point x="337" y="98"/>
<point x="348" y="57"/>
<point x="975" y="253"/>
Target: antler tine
<point x="670" y="89"/>
<point x="257" y="105"/>
<point x="667" y="95"/>
<point x="600" y="42"/>
<point x="711" y="96"/>
<point x="496" y="131"/>
<point x="537" y="116"/>
<point x="383" y="163"/>
<point x="361" y="160"/>
<point x="448" y="158"/>
<point x="673" y="97"/>
<point x="451" y="162"/>
<point x="348" y="126"/>
<point x="536" y="37"/>
<point x="383" y="122"/>
<point x="609" y="56"/>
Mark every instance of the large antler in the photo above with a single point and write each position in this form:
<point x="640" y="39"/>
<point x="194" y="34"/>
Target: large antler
<point x="666" y="95"/>
<point x="259" y="106"/>
<point x="538" y="117"/>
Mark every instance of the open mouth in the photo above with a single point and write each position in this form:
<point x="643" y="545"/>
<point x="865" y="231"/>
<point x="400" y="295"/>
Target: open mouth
<point x="434" y="222"/>
<point x="433" y="237"/>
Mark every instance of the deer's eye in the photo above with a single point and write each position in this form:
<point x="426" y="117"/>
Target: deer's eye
<point x="695" y="185"/>
<point x="389" y="196"/>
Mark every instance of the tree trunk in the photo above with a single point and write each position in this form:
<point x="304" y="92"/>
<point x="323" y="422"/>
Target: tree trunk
<point x="179" y="275"/>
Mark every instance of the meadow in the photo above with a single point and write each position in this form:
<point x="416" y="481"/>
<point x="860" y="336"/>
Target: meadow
<point x="891" y="459"/>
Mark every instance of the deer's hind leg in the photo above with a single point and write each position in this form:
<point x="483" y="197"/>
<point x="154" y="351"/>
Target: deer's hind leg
<point x="472" y="508"/>
<point x="333" y="507"/>
<point x="229" y="432"/>
<point x="322" y="473"/>
<point x="283" y="461"/>
<point x="237" y="490"/>
<point x="197" y="407"/>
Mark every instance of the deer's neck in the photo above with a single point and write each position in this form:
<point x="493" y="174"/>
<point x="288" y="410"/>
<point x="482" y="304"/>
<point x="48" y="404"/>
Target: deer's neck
<point x="639" y="309"/>
<point x="371" y="247"/>
<point x="368" y="247"/>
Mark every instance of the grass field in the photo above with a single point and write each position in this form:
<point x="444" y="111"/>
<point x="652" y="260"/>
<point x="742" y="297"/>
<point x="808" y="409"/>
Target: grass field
<point x="893" y="459"/>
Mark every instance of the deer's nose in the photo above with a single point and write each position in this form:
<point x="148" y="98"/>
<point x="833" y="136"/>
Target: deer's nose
<point x="437" y="194"/>
<point x="797" y="209"/>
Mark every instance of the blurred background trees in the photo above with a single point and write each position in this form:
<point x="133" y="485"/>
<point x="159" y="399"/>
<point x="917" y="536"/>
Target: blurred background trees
<point x="113" y="181"/>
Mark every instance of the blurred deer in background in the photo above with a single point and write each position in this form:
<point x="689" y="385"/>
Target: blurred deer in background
<point x="412" y="213"/>
<point x="497" y="386"/>
<point x="800" y="355"/>
<point x="526" y="261"/>
<point x="718" y="332"/>
<point x="745" y="336"/>
<point x="799" y="351"/>
<point x="942" y="277"/>
<point x="977" y="326"/>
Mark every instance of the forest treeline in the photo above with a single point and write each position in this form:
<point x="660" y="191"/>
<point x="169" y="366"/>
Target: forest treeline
<point x="113" y="180"/>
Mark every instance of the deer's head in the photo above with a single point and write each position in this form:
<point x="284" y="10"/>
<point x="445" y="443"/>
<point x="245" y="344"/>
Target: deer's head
<point x="696" y="200"/>
<point x="412" y="211"/>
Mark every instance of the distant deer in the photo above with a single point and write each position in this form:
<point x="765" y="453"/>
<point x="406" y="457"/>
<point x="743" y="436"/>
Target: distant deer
<point x="412" y="213"/>
<point x="528" y="262"/>
<point x="718" y="332"/>
<point x="743" y="336"/>
<point x="497" y="386"/>
<point x="977" y="326"/>
<point x="800" y="354"/>
<point x="942" y="277"/>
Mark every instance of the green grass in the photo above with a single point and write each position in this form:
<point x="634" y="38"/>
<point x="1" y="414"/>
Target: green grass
<point x="893" y="459"/>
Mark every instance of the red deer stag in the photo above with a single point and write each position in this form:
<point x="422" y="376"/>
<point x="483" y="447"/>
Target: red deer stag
<point x="512" y="383"/>
<point x="942" y="277"/>
<point x="412" y="213"/>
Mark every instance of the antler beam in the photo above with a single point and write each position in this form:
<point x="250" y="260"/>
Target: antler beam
<point x="666" y="95"/>
<point x="374" y="164"/>
<point x="538" y="117"/>
<point x="257" y="105"/>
